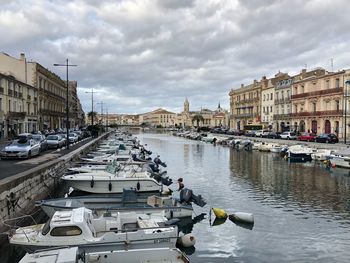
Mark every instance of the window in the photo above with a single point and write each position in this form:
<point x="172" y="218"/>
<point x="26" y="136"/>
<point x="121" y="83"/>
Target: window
<point x="314" y="106"/>
<point x="271" y="96"/>
<point x="295" y="108"/>
<point x="0" y="104"/>
<point x="66" y="231"/>
<point x="337" y="83"/>
<point x="270" y="108"/>
<point x="264" y="97"/>
<point x="327" y="84"/>
<point x="337" y="105"/>
<point x="277" y="95"/>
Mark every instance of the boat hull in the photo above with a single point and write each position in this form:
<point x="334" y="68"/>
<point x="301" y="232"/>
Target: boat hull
<point x="103" y="186"/>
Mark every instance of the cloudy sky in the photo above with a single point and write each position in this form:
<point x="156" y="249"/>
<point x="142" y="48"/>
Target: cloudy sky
<point x="139" y="55"/>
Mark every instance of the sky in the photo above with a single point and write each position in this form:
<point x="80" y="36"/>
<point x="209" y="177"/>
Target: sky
<point x="139" y="55"/>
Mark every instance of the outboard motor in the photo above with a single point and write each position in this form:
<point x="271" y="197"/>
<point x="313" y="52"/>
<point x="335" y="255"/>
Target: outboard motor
<point x="158" y="161"/>
<point x="186" y="195"/>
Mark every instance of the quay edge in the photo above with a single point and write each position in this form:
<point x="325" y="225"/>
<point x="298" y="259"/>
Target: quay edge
<point x="19" y="192"/>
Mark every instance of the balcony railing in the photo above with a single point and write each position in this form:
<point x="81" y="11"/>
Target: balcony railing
<point x="317" y="93"/>
<point x="282" y="100"/>
<point x="14" y="114"/>
<point x="278" y="117"/>
<point x="318" y="113"/>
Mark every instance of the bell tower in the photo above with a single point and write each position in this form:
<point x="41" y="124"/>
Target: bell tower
<point x="186" y="106"/>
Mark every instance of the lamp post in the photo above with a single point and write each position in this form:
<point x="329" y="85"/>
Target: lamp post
<point x="92" y="105"/>
<point x="345" y="107"/>
<point x="67" y="65"/>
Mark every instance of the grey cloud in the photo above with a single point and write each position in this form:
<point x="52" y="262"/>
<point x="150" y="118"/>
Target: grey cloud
<point x="139" y="55"/>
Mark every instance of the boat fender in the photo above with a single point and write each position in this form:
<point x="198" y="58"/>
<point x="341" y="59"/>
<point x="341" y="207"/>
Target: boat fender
<point x="219" y="213"/>
<point x="187" y="240"/>
<point x="92" y="182"/>
<point x="110" y="186"/>
<point x="138" y="186"/>
<point x="242" y="217"/>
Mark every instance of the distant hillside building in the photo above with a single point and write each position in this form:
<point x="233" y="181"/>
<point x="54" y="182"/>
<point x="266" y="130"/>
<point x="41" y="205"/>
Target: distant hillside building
<point x="158" y="118"/>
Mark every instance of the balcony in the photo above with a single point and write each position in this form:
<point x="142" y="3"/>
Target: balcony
<point x="20" y="95"/>
<point x="10" y="92"/>
<point x="29" y="97"/>
<point x="52" y="113"/>
<point x="317" y="93"/>
<point x="278" y="117"/>
<point x="318" y="113"/>
<point x="282" y="100"/>
<point x="16" y="94"/>
<point x="16" y="115"/>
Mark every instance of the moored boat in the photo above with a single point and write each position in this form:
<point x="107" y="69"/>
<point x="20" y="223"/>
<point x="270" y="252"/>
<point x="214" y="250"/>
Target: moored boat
<point x="76" y="255"/>
<point x="79" y="227"/>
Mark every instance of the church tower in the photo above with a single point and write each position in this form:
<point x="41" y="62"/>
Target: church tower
<point x="186" y="106"/>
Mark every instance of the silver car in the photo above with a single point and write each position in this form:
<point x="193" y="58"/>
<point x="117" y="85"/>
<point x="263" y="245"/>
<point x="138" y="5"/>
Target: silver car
<point x="55" y="141"/>
<point x="21" y="148"/>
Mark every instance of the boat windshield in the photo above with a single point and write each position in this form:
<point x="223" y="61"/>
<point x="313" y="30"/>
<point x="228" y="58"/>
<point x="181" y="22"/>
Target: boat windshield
<point x="46" y="228"/>
<point x="66" y="231"/>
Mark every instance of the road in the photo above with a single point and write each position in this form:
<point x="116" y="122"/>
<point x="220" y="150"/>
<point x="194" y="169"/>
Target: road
<point x="15" y="166"/>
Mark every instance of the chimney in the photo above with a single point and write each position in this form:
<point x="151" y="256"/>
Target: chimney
<point x="263" y="77"/>
<point x="22" y="56"/>
<point x="242" y="85"/>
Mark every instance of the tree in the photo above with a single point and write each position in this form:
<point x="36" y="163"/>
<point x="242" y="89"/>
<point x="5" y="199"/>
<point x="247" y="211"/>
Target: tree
<point x="94" y="114"/>
<point x="197" y="118"/>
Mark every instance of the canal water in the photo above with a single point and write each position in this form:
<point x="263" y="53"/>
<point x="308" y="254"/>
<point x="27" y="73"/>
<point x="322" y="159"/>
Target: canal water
<point x="301" y="210"/>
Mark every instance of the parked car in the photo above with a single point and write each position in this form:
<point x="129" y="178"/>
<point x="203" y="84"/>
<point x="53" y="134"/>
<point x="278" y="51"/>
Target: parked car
<point x="55" y="141"/>
<point x="305" y="136"/>
<point x="250" y="133"/>
<point x="289" y="136"/>
<point x="21" y="148"/>
<point x="41" y="139"/>
<point x="327" y="138"/>
<point x="261" y="133"/>
<point x="274" y="135"/>
<point x="73" y="137"/>
<point x="265" y="134"/>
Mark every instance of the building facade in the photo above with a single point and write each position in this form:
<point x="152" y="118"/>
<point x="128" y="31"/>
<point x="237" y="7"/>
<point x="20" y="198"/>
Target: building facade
<point x="317" y="102"/>
<point x="245" y="105"/>
<point x="282" y="103"/>
<point x="209" y="118"/>
<point x="158" y="118"/>
<point x="18" y="107"/>
<point x="49" y="94"/>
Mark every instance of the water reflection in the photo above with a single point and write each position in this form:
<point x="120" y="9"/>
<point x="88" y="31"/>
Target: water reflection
<point x="306" y="184"/>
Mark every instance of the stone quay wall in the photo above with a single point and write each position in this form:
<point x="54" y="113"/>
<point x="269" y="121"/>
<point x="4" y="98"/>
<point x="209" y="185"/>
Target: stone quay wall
<point x="19" y="192"/>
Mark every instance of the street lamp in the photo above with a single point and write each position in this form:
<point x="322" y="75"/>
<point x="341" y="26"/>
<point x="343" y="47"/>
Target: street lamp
<point x="67" y="65"/>
<point x="345" y="107"/>
<point x="92" y="105"/>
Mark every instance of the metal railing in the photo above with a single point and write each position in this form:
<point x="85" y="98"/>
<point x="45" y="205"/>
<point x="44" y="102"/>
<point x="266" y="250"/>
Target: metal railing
<point x="317" y="93"/>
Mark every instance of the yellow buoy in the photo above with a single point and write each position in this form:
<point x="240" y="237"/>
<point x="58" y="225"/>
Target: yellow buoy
<point x="219" y="213"/>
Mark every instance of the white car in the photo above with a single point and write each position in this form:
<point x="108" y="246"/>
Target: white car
<point x="289" y="136"/>
<point x="73" y="137"/>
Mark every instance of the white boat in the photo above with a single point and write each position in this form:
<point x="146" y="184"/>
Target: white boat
<point x="167" y="205"/>
<point x="256" y="145"/>
<point x="341" y="158"/>
<point x="300" y="153"/>
<point x="79" y="227"/>
<point x="104" y="182"/>
<point x="321" y="154"/>
<point x="76" y="255"/>
<point x="276" y="148"/>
